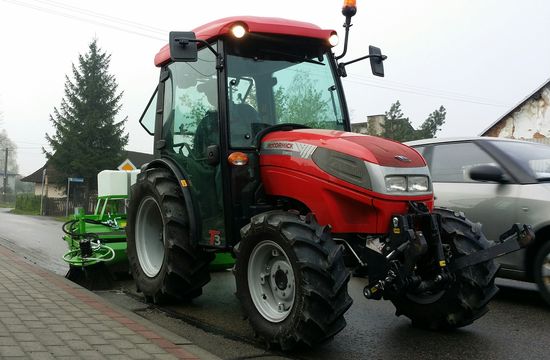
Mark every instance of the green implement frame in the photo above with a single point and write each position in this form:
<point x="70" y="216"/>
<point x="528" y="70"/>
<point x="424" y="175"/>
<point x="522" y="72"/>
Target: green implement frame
<point x="97" y="244"/>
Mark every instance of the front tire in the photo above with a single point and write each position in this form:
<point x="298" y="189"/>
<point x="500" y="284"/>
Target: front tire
<point x="165" y="265"/>
<point x="541" y="271"/>
<point x="291" y="279"/>
<point x="465" y="299"/>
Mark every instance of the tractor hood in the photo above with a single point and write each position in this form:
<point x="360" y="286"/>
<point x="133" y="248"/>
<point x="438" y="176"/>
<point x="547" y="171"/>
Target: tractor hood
<point x="353" y="182"/>
<point x="375" y="150"/>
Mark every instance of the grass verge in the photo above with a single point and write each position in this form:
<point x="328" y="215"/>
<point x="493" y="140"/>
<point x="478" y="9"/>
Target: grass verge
<point x="25" y="212"/>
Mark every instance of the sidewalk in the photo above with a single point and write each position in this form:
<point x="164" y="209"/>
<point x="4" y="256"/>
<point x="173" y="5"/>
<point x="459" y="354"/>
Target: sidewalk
<point x="45" y="316"/>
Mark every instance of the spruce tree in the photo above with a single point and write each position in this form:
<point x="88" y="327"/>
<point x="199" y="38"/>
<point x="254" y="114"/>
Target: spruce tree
<point x="433" y="123"/>
<point x="87" y="136"/>
<point x="397" y="126"/>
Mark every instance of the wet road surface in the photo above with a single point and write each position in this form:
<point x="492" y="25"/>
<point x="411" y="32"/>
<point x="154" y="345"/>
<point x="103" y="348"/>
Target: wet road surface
<point x="516" y="327"/>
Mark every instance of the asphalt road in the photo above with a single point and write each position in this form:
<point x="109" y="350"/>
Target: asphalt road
<point x="516" y="327"/>
<point x="37" y="238"/>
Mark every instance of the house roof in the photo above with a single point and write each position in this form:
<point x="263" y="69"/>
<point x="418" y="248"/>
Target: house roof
<point x="534" y="94"/>
<point x="139" y="158"/>
<point x="36" y="177"/>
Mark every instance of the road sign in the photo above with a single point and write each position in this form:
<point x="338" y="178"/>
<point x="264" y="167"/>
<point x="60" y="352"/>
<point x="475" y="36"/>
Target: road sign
<point x="76" y="180"/>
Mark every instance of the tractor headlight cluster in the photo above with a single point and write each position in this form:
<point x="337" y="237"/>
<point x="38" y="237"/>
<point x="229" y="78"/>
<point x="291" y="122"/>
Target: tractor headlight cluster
<point x="407" y="183"/>
<point x="417" y="183"/>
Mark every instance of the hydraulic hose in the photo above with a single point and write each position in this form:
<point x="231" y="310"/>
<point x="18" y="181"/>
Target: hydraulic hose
<point x="73" y="258"/>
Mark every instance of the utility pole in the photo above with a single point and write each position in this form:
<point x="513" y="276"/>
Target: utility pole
<point x="4" y="189"/>
<point x="42" y="194"/>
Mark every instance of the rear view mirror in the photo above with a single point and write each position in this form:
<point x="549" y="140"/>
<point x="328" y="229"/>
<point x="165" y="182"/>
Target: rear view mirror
<point x="376" y="61"/>
<point x="183" y="46"/>
<point x="488" y="173"/>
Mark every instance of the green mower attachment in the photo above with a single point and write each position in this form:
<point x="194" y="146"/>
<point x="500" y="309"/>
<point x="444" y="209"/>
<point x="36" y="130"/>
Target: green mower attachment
<point x="97" y="242"/>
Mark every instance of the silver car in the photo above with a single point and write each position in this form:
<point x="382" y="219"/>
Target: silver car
<point x="497" y="182"/>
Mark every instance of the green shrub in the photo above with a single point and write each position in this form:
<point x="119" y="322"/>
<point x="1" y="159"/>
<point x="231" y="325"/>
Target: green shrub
<point x="27" y="202"/>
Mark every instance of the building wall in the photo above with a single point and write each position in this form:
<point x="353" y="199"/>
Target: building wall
<point x="531" y="121"/>
<point x="50" y="190"/>
<point x="373" y="126"/>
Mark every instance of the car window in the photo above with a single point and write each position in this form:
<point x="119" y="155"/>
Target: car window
<point x="452" y="162"/>
<point x="535" y="158"/>
<point x="420" y="149"/>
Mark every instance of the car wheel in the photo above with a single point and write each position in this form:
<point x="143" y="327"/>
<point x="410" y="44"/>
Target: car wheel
<point x="541" y="271"/>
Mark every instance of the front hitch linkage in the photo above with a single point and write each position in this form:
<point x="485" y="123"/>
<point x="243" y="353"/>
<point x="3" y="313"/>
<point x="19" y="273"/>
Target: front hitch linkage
<point x="517" y="237"/>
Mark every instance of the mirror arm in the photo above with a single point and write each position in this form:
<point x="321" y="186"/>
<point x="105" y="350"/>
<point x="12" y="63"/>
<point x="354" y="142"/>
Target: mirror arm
<point x="342" y="66"/>
<point x="380" y="57"/>
<point x="219" y="60"/>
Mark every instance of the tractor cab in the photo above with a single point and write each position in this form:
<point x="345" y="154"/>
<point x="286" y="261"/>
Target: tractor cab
<point x="221" y="88"/>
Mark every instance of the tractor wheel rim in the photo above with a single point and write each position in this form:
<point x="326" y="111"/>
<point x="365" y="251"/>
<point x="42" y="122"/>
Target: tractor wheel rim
<point x="150" y="237"/>
<point x="271" y="281"/>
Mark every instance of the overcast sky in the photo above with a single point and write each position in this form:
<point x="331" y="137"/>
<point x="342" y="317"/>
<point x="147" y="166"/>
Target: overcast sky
<point x="476" y="58"/>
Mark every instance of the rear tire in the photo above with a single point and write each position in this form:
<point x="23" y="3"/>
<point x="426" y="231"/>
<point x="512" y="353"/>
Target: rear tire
<point x="164" y="263"/>
<point x="465" y="299"/>
<point x="291" y="279"/>
<point x="541" y="271"/>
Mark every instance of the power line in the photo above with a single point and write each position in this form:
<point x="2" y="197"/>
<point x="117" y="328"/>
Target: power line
<point x="411" y="87"/>
<point x="103" y="16"/>
<point x="426" y="94"/>
<point x="66" y="15"/>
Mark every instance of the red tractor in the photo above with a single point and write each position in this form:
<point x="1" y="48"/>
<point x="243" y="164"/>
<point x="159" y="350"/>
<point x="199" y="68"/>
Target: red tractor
<point x="254" y="156"/>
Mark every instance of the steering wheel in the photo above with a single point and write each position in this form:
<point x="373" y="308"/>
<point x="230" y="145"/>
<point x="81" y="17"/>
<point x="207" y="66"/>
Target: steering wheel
<point x="277" y="127"/>
<point x="185" y="145"/>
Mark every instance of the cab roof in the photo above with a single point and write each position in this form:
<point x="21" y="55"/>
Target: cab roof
<point x="254" y="24"/>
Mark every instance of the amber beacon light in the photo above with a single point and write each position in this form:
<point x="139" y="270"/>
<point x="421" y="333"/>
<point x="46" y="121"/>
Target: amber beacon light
<point x="349" y="8"/>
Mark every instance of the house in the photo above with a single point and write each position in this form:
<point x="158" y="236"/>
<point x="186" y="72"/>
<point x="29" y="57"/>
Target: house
<point x="373" y="126"/>
<point x="528" y="120"/>
<point x="134" y="160"/>
<point x="41" y="176"/>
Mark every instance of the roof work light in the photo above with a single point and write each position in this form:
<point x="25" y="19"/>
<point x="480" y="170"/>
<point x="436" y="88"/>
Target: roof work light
<point x="238" y="31"/>
<point x="333" y="39"/>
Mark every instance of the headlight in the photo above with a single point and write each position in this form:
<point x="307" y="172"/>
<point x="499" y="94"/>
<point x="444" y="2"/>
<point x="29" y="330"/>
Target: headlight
<point x="410" y="184"/>
<point x="396" y="183"/>
<point x="417" y="183"/>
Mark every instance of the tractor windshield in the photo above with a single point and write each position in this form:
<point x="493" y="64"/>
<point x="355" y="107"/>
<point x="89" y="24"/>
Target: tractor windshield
<point x="278" y="82"/>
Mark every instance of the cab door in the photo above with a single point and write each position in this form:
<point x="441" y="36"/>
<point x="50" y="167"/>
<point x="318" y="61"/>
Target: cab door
<point x="190" y="130"/>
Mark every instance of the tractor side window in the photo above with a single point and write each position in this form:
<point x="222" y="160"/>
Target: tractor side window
<point x="193" y="106"/>
<point x="147" y="120"/>
<point x="167" y="114"/>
